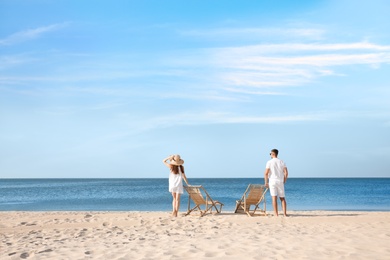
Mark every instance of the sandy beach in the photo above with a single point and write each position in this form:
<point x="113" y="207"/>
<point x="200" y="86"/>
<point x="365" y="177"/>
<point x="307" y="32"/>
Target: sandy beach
<point x="156" y="235"/>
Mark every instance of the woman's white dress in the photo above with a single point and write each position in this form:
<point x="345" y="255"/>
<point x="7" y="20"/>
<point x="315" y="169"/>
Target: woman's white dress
<point x="176" y="182"/>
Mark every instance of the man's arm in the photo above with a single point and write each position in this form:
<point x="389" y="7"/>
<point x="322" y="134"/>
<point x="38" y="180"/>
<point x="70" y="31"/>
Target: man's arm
<point x="266" y="176"/>
<point x="285" y="174"/>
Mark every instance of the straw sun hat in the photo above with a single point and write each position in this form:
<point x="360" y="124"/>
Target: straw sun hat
<point x="176" y="160"/>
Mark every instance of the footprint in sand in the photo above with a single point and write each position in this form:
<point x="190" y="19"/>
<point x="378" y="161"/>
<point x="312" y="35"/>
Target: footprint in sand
<point x="26" y="255"/>
<point x="210" y="254"/>
<point x="88" y="217"/>
<point x="46" y="251"/>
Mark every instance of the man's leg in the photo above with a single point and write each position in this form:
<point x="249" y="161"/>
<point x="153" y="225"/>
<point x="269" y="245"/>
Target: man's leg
<point x="275" y="204"/>
<point x="284" y="206"/>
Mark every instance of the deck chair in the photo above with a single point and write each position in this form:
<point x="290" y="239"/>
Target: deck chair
<point x="200" y="197"/>
<point x="253" y="196"/>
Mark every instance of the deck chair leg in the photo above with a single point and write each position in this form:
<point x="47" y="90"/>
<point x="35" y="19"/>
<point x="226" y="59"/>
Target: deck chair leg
<point x="253" y="195"/>
<point x="220" y="207"/>
<point x="247" y="210"/>
<point x="195" y="194"/>
<point x="189" y="206"/>
<point x="194" y="208"/>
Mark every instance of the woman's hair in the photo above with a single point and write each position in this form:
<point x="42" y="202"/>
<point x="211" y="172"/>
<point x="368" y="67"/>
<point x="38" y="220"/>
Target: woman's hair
<point x="175" y="169"/>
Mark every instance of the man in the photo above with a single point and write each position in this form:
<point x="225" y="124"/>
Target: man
<point x="276" y="172"/>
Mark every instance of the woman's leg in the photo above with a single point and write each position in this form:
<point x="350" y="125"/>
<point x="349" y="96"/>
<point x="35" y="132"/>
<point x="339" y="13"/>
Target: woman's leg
<point x="177" y="203"/>
<point x="173" y="203"/>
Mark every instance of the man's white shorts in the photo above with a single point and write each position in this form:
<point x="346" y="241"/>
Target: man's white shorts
<point x="276" y="189"/>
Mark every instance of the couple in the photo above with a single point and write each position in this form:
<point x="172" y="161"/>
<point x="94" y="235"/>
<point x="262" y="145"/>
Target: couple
<point x="275" y="176"/>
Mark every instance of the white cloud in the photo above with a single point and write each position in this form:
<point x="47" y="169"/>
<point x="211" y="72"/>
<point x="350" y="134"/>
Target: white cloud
<point x="303" y="47"/>
<point x="321" y="60"/>
<point x="247" y="68"/>
<point x="30" y="34"/>
<point x="254" y="32"/>
<point x="206" y="118"/>
<point x="8" y="61"/>
<point x="244" y="91"/>
<point x="224" y="73"/>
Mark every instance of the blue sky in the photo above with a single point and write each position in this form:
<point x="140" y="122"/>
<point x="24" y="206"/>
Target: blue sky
<point x="110" y="88"/>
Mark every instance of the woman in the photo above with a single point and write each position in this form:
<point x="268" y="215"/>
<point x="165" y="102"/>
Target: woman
<point x="176" y="176"/>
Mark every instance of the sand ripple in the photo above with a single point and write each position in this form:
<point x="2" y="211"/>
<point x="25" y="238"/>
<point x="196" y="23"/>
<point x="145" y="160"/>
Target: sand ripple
<point x="155" y="235"/>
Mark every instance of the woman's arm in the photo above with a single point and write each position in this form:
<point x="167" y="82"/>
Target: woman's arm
<point x="185" y="178"/>
<point x="166" y="159"/>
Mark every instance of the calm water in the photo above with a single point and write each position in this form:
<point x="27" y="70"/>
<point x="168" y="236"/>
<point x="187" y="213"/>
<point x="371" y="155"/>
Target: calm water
<point x="152" y="194"/>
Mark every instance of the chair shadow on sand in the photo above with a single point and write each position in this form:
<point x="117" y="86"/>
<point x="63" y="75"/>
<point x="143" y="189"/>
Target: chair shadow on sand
<point x="325" y="214"/>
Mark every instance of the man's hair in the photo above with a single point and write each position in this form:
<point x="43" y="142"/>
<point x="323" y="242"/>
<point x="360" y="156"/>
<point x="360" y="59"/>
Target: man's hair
<point x="275" y="151"/>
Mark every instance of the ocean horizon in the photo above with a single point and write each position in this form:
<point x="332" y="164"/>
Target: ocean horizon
<point x="151" y="194"/>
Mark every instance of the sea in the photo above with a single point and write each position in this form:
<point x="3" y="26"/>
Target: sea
<point x="302" y="194"/>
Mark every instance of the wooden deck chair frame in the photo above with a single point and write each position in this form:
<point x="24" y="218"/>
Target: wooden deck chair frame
<point x="254" y="195"/>
<point x="195" y="195"/>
